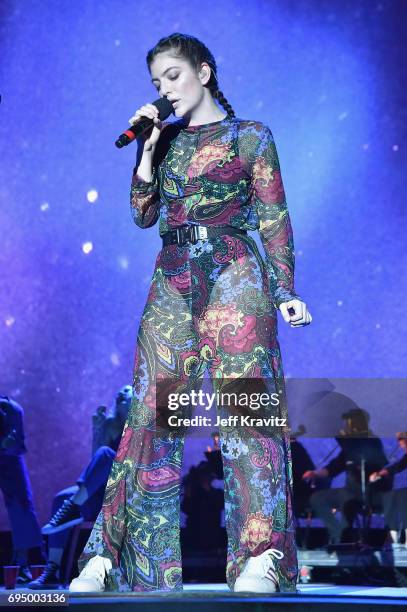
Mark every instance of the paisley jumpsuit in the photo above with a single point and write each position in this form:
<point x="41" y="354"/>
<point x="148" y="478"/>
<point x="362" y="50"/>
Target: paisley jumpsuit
<point x="211" y="307"/>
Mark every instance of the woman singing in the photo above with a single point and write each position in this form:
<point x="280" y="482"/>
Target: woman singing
<point x="208" y="178"/>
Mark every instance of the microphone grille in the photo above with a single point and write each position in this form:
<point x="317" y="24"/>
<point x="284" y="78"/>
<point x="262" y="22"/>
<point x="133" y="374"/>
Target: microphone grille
<point x="165" y="108"/>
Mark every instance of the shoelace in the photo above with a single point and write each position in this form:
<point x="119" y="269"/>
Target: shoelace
<point x="49" y="571"/>
<point x="271" y="572"/>
<point x="64" y="510"/>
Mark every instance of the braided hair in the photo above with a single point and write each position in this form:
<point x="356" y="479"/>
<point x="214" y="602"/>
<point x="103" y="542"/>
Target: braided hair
<point x="193" y="50"/>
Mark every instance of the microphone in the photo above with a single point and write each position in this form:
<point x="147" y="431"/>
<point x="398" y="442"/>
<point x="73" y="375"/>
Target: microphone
<point x="165" y="108"/>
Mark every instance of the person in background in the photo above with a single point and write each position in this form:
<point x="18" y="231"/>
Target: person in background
<point x="301" y="462"/>
<point x="203" y="504"/>
<point x="214" y="456"/>
<point x="355" y="446"/>
<point x="83" y="500"/>
<point x="16" y="487"/>
<point x="395" y="501"/>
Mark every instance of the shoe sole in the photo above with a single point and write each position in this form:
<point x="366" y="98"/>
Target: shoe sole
<point x="73" y="588"/>
<point x="51" y="530"/>
<point x="248" y="586"/>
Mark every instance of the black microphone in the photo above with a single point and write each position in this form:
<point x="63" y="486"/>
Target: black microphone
<point x="165" y="108"/>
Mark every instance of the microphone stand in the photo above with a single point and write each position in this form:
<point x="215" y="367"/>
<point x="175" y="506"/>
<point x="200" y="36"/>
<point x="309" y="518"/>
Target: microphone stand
<point x="363" y="532"/>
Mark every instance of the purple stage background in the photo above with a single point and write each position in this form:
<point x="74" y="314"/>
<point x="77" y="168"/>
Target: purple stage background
<point x="327" y="78"/>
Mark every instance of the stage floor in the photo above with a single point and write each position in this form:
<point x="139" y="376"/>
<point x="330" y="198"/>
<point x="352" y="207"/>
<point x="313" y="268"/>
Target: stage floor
<point x="218" y="597"/>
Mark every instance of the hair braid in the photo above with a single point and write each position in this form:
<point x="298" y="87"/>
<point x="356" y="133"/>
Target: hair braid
<point x="193" y="50"/>
<point x="218" y="94"/>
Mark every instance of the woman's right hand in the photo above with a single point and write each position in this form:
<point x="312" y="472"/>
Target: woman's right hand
<point x="321" y="473"/>
<point x="150" y="136"/>
<point x="378" y="475"/>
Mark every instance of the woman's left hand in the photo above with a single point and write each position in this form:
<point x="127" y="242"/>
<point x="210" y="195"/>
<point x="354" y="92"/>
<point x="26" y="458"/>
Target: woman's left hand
<point x="301" y="315"/>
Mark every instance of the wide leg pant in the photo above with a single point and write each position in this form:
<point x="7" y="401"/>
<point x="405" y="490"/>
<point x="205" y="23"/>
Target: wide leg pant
<point x="208" y="309"/>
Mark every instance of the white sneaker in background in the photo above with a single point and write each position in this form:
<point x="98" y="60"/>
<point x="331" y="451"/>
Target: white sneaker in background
<point x="93" y="576"/>
<point x="258" y="574"/>
<point x="398" y="548"/>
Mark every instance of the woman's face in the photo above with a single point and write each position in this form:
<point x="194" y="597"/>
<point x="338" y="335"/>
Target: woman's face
<point x="175" y="79"/>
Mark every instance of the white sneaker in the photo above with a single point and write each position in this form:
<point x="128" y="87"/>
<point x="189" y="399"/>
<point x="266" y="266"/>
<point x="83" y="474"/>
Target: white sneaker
<point x="258" y="574"/>
<point x="397" y="547"/>
<point x="93" y="576"/>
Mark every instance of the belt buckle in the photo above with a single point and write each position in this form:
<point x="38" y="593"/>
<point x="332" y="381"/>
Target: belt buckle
<point x="197" y="232"/>
<point x="193" y="235"/>
<point x="180" y="235"/>
<point x="201" y="232"/>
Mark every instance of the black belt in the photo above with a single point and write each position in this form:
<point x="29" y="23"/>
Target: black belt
<point x="185" y="234"/>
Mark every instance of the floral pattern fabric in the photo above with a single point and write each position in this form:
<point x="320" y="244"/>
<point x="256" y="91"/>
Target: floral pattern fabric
<point x="211" y="308"/>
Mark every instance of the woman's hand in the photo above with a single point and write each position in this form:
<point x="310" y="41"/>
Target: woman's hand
<point x="150" y="138"/>
<point x="310" y="474"/>
<point x="301" y="314"/>
<point x="378" y="475"/>
<point x="100" y="417"/>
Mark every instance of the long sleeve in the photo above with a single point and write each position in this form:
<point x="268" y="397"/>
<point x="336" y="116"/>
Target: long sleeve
<point x="144" y="195"/>
<point x="398" y="466"/>
<point x="144" y="200"/>
<point x="268" y="198"/>
<point x="336" y="465"/>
